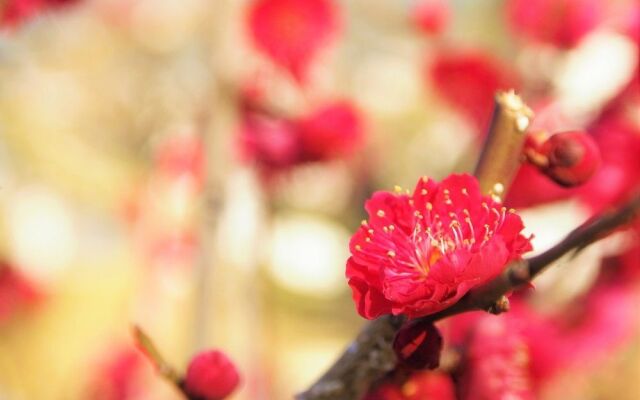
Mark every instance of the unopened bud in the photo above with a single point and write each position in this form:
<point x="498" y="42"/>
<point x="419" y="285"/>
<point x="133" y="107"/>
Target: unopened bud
<point x="418" y="345"/>
<point x="211" y="376"/>
<point x="571" y="158"/>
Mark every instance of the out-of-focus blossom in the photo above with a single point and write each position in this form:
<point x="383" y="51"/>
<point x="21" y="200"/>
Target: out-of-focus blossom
<point x="568" y="158"/>
<point x="272" y="143"/>
<point x="291" y="32"/>
<point x="582" y="335"/>
<point x="211" y="375"/>
<point x="420" y="253"/>
<point x="468" y="80"/>
<point x="16" y="293"/>
<point x="561" y="23"/>
<point x="15" y="12"/>
<point x="120" y="377"/>
<point x="417" y="345"/>
<point x="530" y="188"/>
<point x="431" y="16"/>
<point x="181" y="155"/>
<point x="630" y="20"/>
<point x="619" y="176"/>
<point x="427" y="385"/>
<point x="178" y="248"/>
<point x="629" y="260"/>
<point x="496" y="363"/>
<point x="276" y="143"/>
<point x="332" y="131"/>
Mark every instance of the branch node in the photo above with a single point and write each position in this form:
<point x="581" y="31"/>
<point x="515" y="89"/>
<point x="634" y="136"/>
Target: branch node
<point x="519" y="274"/>
<point x="499" y="306"/>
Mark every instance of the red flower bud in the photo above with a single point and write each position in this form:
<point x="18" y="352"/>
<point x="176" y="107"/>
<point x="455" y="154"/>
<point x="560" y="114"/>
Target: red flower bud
<point x="417" y="345"/>
<point x="211" y="375"/>
<point x="571" y="158"/>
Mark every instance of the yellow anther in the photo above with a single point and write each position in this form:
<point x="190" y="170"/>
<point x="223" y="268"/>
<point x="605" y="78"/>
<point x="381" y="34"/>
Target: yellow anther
<point x="380" y="213"/>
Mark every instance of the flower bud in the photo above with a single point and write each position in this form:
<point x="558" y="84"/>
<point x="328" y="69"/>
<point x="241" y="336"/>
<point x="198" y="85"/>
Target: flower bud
<point x="571" y="158"/>
<point x="417" y="345"/>
<point x="211" y="375"/>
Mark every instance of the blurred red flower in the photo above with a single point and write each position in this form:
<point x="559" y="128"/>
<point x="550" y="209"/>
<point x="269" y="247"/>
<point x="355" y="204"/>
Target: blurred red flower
<point x="496" y="363"/>
<point x="562" y="23"/>
<point x="580" y="335"/>
<point x="211" y="375"/>
<point x="272" y="143"/>
<point x="15" y="12"/>
<point x="420" y="253"/>
<point x="331" y="131"/>
<point x="17" y="293"/>
<point x="291" y="32"/>
<point x="431" y="16"/>
<point x="276" y="143"/>
<point x="619" y="175"/>
<point x="468" y="81"/>
<point x="120" y="376"/>
<point x="531" y="187"/>
<point x="181" y="155"/>
<point x="420" y="386"/>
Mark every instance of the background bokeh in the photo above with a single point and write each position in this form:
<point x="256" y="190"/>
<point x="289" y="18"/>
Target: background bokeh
<point x="127" y="197"/>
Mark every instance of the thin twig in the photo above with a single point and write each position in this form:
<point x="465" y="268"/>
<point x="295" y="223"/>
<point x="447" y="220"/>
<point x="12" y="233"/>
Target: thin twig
<point x="146" y="345"/>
